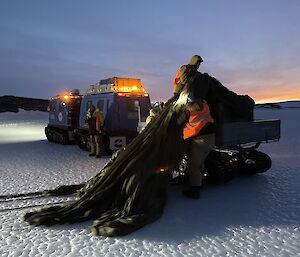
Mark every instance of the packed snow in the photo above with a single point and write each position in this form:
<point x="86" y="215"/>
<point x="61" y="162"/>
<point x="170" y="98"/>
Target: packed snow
<point x="249" y="216"/>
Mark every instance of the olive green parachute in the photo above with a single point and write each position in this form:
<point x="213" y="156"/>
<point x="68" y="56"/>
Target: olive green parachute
<point x="130" y="191"/>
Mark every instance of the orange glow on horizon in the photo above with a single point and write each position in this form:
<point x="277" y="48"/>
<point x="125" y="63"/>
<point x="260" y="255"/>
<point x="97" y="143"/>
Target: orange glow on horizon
<point x="268" y="98"/>
<point x="260" y="98"/>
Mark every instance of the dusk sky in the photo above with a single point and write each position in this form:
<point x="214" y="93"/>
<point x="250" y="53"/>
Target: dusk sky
<point x="252" y="47"/>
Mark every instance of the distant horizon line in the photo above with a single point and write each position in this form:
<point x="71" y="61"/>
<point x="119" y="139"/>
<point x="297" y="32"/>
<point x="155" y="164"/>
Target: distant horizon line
<point x="256" y="102"/>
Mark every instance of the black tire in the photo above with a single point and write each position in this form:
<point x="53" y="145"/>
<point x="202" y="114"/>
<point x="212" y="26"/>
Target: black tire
<point x="54" y="138"/>
<point x="81" y="142"/>
<point x="253" y="162"/>
<point x="60" y="138"/>
<point x="63" y="139"/>
<point x="220" y="167"/>
<point x="48" y="135"/>
<point x="87" y="143"/>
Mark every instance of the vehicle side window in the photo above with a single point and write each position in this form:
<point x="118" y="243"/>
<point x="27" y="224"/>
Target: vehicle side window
<point x="88" y="104"/>
<point x="132" y="106"/>
<point x="132" y="109"/>
<point x="101" y="104"/>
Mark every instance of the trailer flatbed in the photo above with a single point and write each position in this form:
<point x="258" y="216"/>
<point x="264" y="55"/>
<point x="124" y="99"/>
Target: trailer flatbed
<point x="233" y="134"/>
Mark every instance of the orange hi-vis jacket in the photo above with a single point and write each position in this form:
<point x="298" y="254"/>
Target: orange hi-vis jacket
<point x="197" y="121"/>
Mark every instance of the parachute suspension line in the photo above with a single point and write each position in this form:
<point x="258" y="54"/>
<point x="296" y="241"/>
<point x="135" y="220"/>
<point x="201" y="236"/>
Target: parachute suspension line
<point x="35" y="205"/>
<point x="58" y="191"/>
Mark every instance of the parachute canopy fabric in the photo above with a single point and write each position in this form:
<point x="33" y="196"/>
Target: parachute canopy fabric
<point x="131" y="190"/>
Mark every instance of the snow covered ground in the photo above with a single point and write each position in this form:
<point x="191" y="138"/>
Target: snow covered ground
<point x="249" y="216"/>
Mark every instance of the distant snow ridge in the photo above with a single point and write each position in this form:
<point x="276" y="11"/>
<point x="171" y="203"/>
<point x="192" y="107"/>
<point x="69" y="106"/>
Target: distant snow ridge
<point x="280" y="105"/>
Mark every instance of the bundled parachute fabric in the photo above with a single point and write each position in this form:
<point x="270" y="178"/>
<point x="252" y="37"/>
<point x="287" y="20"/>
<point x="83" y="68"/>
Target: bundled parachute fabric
<point x="225" y="105"/>
<point x="130" y="191"/>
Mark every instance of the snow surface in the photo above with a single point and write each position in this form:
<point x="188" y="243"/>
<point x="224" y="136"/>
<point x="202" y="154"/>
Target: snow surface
<point x="249" y="216"/>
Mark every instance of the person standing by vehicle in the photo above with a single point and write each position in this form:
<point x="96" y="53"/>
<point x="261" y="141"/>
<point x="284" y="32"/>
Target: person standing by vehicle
<point x="95" y="120"/>
<point x="186" y="73"/>
<point x="198" y="83"/>
<point x="199" y="129"/>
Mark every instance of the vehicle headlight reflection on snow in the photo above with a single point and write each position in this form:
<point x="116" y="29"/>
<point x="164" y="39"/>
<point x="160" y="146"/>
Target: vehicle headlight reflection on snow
<point x="22" y="132"/>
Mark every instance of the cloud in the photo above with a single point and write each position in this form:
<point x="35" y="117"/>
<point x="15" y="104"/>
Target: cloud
<point x="46" y="46"/>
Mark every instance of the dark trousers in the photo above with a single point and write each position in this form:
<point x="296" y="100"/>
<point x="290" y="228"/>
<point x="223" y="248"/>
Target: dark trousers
<point x="97" y="146"/>
<point x="200" y="147"/>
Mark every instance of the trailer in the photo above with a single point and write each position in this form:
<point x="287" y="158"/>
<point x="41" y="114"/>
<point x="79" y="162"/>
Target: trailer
<point x="236" y="151"/>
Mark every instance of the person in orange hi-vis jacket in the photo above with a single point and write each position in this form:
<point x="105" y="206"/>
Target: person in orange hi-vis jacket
<point x="186" y="73"/>
<point x="199" y="129"/>
<point x="94" y="121"/>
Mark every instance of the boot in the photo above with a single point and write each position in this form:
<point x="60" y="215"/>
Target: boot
<point x="192" y="192"/>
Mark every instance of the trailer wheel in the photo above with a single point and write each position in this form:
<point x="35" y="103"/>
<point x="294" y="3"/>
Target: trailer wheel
<point x="220" y="167"/>
<point x="253" y="162"/>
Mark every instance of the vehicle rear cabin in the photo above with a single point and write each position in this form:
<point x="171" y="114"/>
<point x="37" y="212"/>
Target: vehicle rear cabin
<point x="124" y="102"/>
